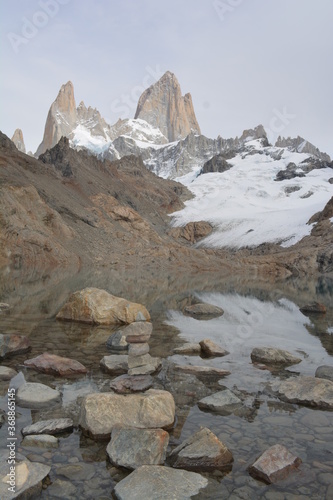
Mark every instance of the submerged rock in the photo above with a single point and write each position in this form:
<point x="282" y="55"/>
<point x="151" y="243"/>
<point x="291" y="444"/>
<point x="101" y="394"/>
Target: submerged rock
<point x="117" y="341"/>
<point x="125" y="384"/>
<point x="274" y="464"/>
<point x="34" y="395"/>
<point x="96" y="306"/>
<point x="271" y="355"/>
<point x="52" y="426"/>
<point x="222" y="402"/>
<point x="13" y="344"/>
<point x="7" y="373"/>
<point x="41" y="441"/>
<point x="130" y="447"/>
<point x="102" y="411"/>
<point x="325" y="372"/>
<point x="210" y="349"/>
<point x="190" y="348"/>
<point x="28" y="479"/>
<point x="151" y="482"/>
<point x="203" y="311"/>
<point x="55" y="365"/>
<point x="308" y="391"/>
<point x="202" y="452"/>
<point x="202" y="370"/>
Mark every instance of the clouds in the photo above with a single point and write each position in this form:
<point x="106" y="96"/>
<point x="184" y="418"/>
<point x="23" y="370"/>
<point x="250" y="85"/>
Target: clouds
<point x="241" y="60"/>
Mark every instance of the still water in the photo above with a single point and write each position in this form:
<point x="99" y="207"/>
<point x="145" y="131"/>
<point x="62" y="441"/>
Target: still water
<point x="255" y="315"/>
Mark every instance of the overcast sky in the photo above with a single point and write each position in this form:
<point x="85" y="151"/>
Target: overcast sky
<point x="245" y="62"/>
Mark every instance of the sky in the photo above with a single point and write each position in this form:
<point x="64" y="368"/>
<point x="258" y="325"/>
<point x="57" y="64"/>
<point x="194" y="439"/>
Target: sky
<point x="245" y="62"/>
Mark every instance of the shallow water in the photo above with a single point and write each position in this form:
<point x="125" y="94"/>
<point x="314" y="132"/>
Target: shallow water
<point x="254" y="316"/>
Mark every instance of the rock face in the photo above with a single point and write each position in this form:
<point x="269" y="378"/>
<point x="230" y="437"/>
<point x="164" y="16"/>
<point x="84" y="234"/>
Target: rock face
<point x="96" y="306"/>
<point x="273" y="356"/>
<point x="101" y="412"/>
<point x="12" y="344"/>
<point x="55" y="426"/>
<point x="163" y="106"/>
<point x="308" y="391"/>
<point x="202" y="452"/>
<point x="34" y="395"/>
<point x="300" y="145"/>
<point x="192" y="231"/>
<point x="55" y="365"/>
<point x="61" y="118"/>
<point x="131" y="448"/>
<point x="150" y="482"/>
<point x="18" y="140"/>
<point x="216" y="164"/>
<point x="28" y="479"/>
<point x="274" y="464"/>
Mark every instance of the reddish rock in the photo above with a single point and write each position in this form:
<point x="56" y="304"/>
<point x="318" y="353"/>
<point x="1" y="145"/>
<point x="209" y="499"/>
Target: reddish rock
<point x="314" y="308"/>
<point x="125" y="384"/>
<point x="274" y="464"/>
<point x="55" y="365"/>
<point x="12" y="344"/>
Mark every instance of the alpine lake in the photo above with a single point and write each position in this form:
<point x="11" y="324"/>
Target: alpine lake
<point x="256" y="314"/>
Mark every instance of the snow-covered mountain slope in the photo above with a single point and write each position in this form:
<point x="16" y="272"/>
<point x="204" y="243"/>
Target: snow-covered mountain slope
<point x="248" y="205"/>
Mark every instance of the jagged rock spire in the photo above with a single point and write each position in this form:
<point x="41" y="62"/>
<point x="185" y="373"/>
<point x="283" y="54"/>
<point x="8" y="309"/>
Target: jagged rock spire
<point x="163" y="106"/>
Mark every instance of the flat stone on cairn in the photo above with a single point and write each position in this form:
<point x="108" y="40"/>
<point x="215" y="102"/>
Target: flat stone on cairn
<point x="139" y="360"/>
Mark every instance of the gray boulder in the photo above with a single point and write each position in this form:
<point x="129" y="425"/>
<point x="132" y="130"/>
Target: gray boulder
<point x="325" y="372"/>
<point x="222" y="402"/>
<point x="130" y="447"/>
<point x="100" y="412"/>
<point x="52" y="426"/>
<point x="202" y="452"/>
<point x="34" y="396"/>
<point x="203" y="311"/>
<point x="308" y="391"/>
<point x="152" y="482"/>
<point x="273" y="356"/>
